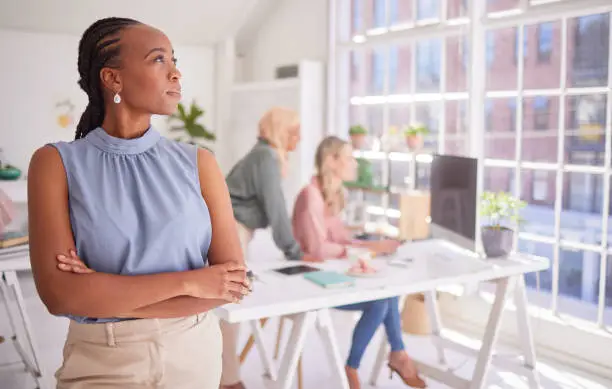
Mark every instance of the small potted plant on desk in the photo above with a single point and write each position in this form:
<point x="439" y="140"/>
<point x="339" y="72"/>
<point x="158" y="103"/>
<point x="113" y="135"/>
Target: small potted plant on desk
<point x="414" y="136"/>
<point x="503" y="213"/>
<point x="358" y="136"/>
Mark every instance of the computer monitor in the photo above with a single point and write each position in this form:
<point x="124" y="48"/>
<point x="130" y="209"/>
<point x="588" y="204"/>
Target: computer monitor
<point x="453" y="186"/>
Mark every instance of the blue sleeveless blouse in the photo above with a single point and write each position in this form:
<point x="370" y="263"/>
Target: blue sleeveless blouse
<point x="136" y="205"/>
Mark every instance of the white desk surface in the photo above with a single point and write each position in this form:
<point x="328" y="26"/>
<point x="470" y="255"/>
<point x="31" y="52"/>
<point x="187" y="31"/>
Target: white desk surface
<point x="435" y="263"/>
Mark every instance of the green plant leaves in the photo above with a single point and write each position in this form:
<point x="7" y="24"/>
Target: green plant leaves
<point x="357" y="130"/>
<point x="189" y="123"/>
<point x="416" y="129"/>
<point x="199" y="131"/>
<point x="501" y="208"/>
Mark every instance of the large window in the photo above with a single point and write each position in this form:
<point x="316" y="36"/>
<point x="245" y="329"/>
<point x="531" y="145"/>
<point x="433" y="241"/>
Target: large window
<point x="541" y="131"/>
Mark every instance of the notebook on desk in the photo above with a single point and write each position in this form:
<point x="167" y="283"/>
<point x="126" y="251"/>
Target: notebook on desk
<point x="330" y="279"/>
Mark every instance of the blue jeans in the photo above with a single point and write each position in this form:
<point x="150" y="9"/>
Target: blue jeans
<point x="374" y="313"/>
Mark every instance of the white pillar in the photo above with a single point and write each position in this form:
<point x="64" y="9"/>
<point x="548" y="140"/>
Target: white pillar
<point x="225" y="60"/>
<point x="476" y="90"/>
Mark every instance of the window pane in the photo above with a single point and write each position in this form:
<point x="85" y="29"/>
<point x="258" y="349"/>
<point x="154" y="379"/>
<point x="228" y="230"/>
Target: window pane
<point x="399" y="174"/>
<point x="545" y="277"/>
<point x="428" y="61"/>
<point x="543" y="67"/>
<point x="400" y="69"/>
<point x="501" y="5"/>
<point x="500" y="63"/>
<point x="357" y="83"/>
<point x="375" y="198"/>
<point x="423" y="174"/>
<point x="355" y="115"/>
<point x="394" y="200"/>
<point x="456" y="136"/>
<point x="374" y="120"/>
<point x="429" y="115"/>
<point x="399" y="119"/>
<point x="585" y="135"/>
<point x="457" y="59"/>
<point x="540" y="129"/>
<point x="579" y="283"/>
<point x="400" y="12"/>
<point x="375" y="13"/>
<point x="376" y="60"/>
<point x="356" y="17"/>
<point x="588" y="46"/>
<point x="458" y="9"/>
<point x="582" y="205"/>
<point x="499" y="179"/>
<point x="538" y="191"/>
<point x="500" y="125"/>
<point x="428" y="9"/>
<point x="608" y="292"/>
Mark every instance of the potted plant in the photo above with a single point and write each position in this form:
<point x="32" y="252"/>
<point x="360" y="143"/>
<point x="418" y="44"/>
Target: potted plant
<point x="358" y="134"/>
<point x="414" y="136"/>
<point x="191" y="130"/>
<point x="503" y="213"/>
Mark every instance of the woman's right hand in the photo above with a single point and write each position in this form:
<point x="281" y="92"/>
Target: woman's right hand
<point x="227" y="281"/>
<point x="384" y="247"/>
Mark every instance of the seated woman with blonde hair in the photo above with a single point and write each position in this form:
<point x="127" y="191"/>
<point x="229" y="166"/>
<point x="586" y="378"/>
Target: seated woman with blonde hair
<point x="319" y="230"/>
<point x="255" y="187"/>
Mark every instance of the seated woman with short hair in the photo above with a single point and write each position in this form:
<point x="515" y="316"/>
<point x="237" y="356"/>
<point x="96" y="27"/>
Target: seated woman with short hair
<point x="319" y="230"/>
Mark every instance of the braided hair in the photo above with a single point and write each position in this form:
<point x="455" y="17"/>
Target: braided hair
<point x="99" y="47"/>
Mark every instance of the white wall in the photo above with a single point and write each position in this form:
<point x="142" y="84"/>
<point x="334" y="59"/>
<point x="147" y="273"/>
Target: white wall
<point x="40" y="70"/>
<point x="293" y="31"/>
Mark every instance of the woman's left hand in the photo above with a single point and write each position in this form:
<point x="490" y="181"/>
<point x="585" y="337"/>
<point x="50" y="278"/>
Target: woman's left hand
<point x="72" y="264"/>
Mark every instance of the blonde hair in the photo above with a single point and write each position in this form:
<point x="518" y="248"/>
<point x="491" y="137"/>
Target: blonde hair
<point x="333" y="194"/>
<point x="274" y="127"/>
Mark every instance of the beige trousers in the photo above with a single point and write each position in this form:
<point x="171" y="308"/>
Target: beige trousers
<point x="231" y="362"/>
<point x="145" y="353"/>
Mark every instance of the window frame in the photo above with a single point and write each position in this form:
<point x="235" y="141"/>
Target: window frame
<point x="479" y="62"/>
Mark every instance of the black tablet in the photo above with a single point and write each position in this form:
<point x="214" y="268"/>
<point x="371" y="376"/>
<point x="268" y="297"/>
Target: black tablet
<point x="297" y="269"/>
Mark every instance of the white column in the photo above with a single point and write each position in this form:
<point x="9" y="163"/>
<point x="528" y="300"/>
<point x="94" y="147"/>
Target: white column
<point x="225" y="59"/>
<point x="476" y="91"/>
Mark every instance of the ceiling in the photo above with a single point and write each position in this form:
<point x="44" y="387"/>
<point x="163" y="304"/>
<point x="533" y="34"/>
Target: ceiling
<point x="187" y="22"/>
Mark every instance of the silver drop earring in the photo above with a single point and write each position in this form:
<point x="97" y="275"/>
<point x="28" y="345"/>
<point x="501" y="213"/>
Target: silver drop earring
<point x="117" y="98"/>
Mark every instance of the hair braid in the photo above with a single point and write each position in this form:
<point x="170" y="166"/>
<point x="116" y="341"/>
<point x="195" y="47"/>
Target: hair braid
<point x="98" y="48"/>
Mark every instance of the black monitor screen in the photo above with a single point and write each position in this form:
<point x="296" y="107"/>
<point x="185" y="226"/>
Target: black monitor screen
<point x="454" y="194"/>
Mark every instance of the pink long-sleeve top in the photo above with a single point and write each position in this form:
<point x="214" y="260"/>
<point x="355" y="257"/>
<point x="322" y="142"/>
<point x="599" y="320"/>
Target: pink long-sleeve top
<point x="318" y="232"/>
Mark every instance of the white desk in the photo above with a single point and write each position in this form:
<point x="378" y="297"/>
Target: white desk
<point x="434" y="264"/>
<point x="13" y="260"/>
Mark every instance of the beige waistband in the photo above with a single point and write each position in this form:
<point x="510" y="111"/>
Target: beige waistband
<point x="131" y="330"/>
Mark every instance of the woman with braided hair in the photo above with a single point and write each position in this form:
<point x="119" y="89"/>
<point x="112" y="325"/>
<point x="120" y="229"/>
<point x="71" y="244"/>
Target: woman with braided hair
<point x="121" y="226"/>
